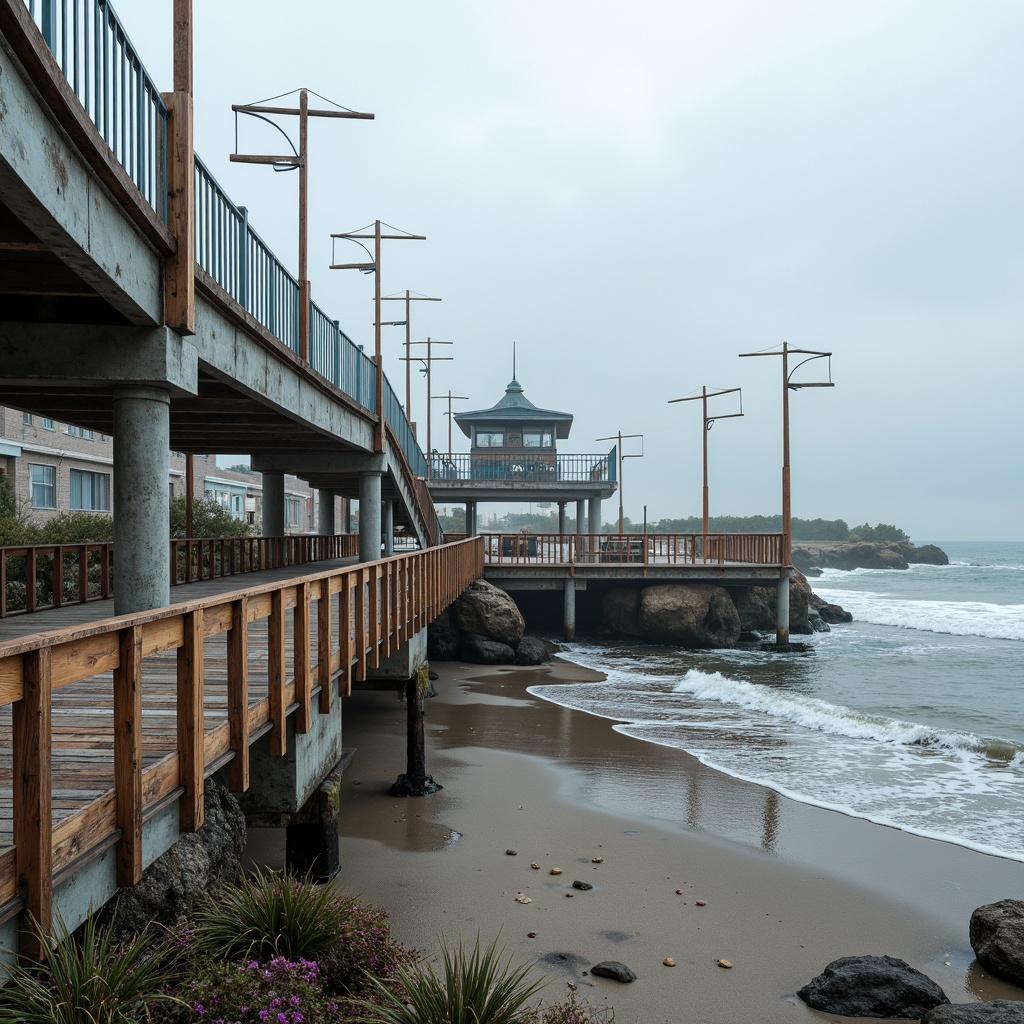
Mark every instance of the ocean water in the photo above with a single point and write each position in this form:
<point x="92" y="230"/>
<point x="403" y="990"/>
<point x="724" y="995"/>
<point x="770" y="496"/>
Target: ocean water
<point x="911" y="716"/>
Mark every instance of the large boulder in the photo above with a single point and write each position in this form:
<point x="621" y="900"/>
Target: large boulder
<point x="756" y="607"/>
<point x="697" y="615"/>
<point x="531" y="650"/>
<point x="442" y="638"/>
<point x="872" y="986"/>
<point x="487" y="610"/>
<point x="181" y="881"/>
<point x="620" y="612"/>
<point x="481" y="650"/>
<point x="863" y="554"/>
<point x="997" y="938"/>
<point x="993" y="1011"/>
<point x="927" y="554"/>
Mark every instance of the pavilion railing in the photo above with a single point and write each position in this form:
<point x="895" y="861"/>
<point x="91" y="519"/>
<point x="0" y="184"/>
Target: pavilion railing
<point x="522" y="466"/>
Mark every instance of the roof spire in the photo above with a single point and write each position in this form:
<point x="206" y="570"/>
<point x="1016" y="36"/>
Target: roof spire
<point x="514" y="361"/>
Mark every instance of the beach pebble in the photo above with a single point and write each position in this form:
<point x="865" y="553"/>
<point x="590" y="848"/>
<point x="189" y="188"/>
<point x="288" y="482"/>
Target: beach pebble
<point x="555" y="871"/>
<point x="596" y="860"/>
<point x="613" y="969"/>
<point x="511" y="853"/>
<point x="535" y="866"/>
<point x="582" y="886"/>
<point x="669" y="962"/>
<point x="679" y="892"/>
<point x="699" y="903"/>
<point x="724" y="963"/>
<point x="520" y="898"/>
<point x="569" y="895"/>
<point x="531" y="935"/>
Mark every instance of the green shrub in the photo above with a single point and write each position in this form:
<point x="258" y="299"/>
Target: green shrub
<point x="77" y="528"/>
<point x="267" y="916"/>
<point x="475" y="987"/>
<point x="208" y="520"/>
<point x="89" y="979"/>
<point x="881" y="532"/>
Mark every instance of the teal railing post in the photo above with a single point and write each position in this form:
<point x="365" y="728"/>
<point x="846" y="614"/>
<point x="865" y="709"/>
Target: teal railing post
<point x="359" y="378"/>
<point x="48" y="13"/>
<point x="243" y="257"/>
<point x="337" y="355"/>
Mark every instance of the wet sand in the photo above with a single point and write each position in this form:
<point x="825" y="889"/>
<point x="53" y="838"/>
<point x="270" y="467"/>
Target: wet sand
<point x="786" y="887"/>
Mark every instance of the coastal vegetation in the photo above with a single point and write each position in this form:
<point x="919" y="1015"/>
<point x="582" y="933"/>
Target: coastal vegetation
<point x="275" y="947"/>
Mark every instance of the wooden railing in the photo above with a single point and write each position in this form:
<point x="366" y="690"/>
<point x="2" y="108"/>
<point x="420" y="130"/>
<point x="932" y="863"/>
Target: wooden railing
<point x="344" y="622"/>
<point x="639" y="548"/>
<point x="53" y="575"/>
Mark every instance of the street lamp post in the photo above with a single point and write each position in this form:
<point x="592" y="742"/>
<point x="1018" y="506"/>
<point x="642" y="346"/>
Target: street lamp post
<point x="374" y="268"/>
<point x="409" y="297"/>
<point x="621" y="455"/>
<point x="297" y="159"/>
<point x="708" y="423"/>
<point x="429" y="361"/>
<point x="450" y="398"/>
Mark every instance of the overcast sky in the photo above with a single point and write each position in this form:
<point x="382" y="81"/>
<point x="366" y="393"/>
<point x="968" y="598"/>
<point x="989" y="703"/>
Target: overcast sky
<point x="635" y="194"/>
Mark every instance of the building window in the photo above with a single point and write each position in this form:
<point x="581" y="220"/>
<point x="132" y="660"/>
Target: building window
<point x="43" y="480"/>
<point x="490" y="440"/>
<point x="48" y="424"/>
<point x="293" y="511"/>
<point x="538" y="439"/>
<point x="170" y="488"/>
<point x="26" y="419"/>
<point x="90" y="492"/>
<point x="79" y="432"/>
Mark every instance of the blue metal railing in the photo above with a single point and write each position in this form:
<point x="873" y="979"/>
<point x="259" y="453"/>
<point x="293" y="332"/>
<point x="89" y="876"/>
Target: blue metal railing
<point x="96" y="57"/>
<point x="396" y="418"/>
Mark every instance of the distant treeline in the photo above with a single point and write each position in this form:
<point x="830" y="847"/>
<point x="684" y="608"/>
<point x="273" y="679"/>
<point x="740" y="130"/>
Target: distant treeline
<point x="803" y="529"/>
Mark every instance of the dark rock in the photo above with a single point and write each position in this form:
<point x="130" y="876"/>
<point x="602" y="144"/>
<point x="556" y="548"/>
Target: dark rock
<point x="872" y="986"/>
<point x="994" y="1011"/>
<point x="442" y="638"/>
<point x="551" y="647"/>
<point x="199" y="864"/>
<point x="817" y="623"/>
<point x="488" y="611"/>
<point x="478" y="650"/>
<point x="696" y="615"/>
<point x="582" y="886"/>
<point x="750" y="636"/>
<point x="531" y="650"/>
<point x="756" y="607"/>
<point x="927" y="554"/>
<point x="834" y="613"/>
<point x="614" y="970"/>
<point x="862" y="554"/>
<point x="620" y="612"/>
<point x="997" y="938"/>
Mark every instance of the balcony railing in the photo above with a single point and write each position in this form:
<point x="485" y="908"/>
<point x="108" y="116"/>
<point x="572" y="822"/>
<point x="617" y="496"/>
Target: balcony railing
<point x="529" y="466"/>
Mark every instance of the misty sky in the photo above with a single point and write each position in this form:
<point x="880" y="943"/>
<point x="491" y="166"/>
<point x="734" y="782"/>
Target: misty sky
<point x="634" y="194"/>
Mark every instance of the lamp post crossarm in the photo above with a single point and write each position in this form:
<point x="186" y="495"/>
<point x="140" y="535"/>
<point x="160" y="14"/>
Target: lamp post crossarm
<point x="259" y="108"/>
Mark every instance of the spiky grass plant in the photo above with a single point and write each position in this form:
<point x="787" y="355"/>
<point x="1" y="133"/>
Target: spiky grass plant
<point x="89" y="979"/>
<point x="476" y="986"/>
<point x="267" y="916"/>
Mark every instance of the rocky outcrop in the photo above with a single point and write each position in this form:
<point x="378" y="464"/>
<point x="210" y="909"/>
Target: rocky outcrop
<point x="487" y="610"/>
<point x="756" y="607"/>
<point x="442" y="638"/>
<point x="997" y="938"/>
<point x="181" y="881"/>
<point x="926" y="554"/>
<point x="866" y="555"/>
<point x="698" y="615"/>
<point x="872" y="986"/>
<point x="993" y="1011"/>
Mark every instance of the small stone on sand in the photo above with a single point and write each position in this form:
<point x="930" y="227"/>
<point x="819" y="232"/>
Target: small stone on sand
<point x="596" y="860"/>
<point x="569" y="895"/>
<point x="520" y="898"/>
<point x="531" y="935"/>
<point x="535" y="866"/>
<point x="700" y="903"/>
<point x="724" y="963"/>
<point x="669" y="962"/>
<point x="511" y="853"/>
<point x="679" y="892"/>
<point x="555" y="871"/>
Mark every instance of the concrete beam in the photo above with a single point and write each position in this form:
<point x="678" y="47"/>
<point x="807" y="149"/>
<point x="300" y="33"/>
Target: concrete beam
<point x="30" y="353"/>
<point x="325" y="463"/>
<point x="51" y="189"/>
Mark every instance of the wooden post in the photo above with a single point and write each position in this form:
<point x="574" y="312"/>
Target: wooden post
<point x="191" y="726"/>
<point x="128" y="755"/>
<point x="275" y="674"/>
<point x="238" y="695"/>
<point x="323" y="646"/>
<point x="345" y="633"/>
<point x="31" y="728"/>
<point x="362" y="584"/>
<point x="300" y="648"/>
<point x="304" y="288"/>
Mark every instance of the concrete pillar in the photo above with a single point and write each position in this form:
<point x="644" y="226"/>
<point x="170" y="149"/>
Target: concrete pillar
<point x="273" y="504"/>
<point x="369" y="517"/>
<point x="142" y="518"/>
<point x="570" y="609"/>
<point x="346" y="517"/>
<point x="581" y="515"/>
<point x="470" y="518"/>
<point x="389" y="528"/>
<point x="782" y="609"/>
<point x="326" y="525"/>
<point x="595" y="514"/>
<point x="561" y="517"/>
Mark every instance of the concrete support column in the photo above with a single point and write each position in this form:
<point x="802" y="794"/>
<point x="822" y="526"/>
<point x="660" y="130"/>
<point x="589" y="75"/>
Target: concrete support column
<point x="570" y="609"/>
<point x="581" y="515"/>
<point x="389" y="528"/>
<point x="346" y="517"/>
<point x="561" y="517"/>
<point x="369" y="517"/>
<point x="142" y="519"/>
<point x="782" y="609"/>
<point x="273" y="504"/>
<point x="470" y="518"/>
<point x="326" y="525"/>
<point x="595" y="514"/>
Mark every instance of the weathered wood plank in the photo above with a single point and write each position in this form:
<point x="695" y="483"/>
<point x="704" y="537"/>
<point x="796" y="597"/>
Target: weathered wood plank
<point x="238" y="695"/>
<point x="300" y="658"/>
<point x="128" y="755"/>
<point x="276" y="674"/>
<point x="324" y="674"/>
<point x="190" y="721"/>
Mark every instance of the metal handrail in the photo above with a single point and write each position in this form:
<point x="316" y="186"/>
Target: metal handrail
<point x="521" y="465"/>
<point x="97" y="58"/>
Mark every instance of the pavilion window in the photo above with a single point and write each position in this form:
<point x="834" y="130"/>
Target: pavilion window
<point x="490" y="440"/>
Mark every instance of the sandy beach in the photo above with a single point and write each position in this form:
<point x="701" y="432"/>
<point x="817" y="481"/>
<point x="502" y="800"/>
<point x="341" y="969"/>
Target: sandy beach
<point x="785" y="887"/>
